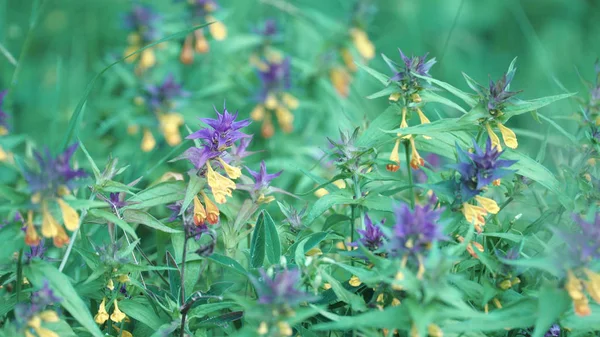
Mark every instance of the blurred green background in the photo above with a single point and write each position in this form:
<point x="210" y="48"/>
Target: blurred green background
<point x="73" y="40"/>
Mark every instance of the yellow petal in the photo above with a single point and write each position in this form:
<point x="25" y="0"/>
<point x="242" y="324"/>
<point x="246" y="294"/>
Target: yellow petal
<point x="493" y="137"/>
<point x="211" y="209"/>
<point x="291" y="101"/>
<point x="128" y="51"/>
<point x="271" y="102"/>
<point x="263" y="328"/>
<point x="217" y="29"/>
<point x="340" y="183"/>
<point x="232" y="171"/>
<point x="49" y="224"/>
<point x="61" y="238"/>
<point x="340" y="79"/>
<point x="395" y="97"/>
<point x="148" y="59"/>
<point x="31" y="236"/>
<point x="102" y="315"/>
<point x="117" y="316"/>
<point x="35" y="322"/>
<point x="123" y="278"/>
<point x="220" y="186"/>
<point x="510" y="139"/>
<point x="474" y="214"/>
<point x="592" y="285"/>
<point x="434" y="330"/>
<point x="321" y="192"/>
<point x="362" y="43"/>
<point x="28" y="334"/>
<point x="148" y="141"/>
<point x="49" y="316"/>
<point x="395" y="302"/>
<point x="70" y="215"/>
<point x="258" y="113"/>
<point x="110" y="285"/>
<point x="355" y="281"/>
<point x="314" y="251"/>
<point x="284" y="328"/>
<point x="489" y="204"/>
<point x="199" y="212"/>
<point x="422" y="117"/>
<point x="43" y="332"/>
<point x="403" y="124"/>
<point x="574" y="287"/>
<point x="348" y="60"/>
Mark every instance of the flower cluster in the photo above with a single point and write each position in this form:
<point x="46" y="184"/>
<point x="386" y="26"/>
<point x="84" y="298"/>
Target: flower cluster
<point x="212" y="156"/>
<point x="584" y="248"/>
<point x="278" y="290"/>
<point x="371" y="237"/>
<point x="161" y="100"/>
<point x="477" y="171"/>
<point x="200" y="12"/>
<point x="32" y="315"/>
<point x="274" y="97"/>
<point x="408" y="95"/>
<point x="142" y="22"/>
<point x="53" y="179"/>
<point x="355" y="44"/>
<point x="102" y="316"/>
<point x="262" y="180"/>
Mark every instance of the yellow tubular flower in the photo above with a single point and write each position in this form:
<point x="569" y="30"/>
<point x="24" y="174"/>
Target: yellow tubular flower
<point x="403" y="124"/>
<point x="285" y="118"/>
<point x="321" y="192"/>
<point x="199" y="212"/>
<point x="31" y="236"/>
<point x="271" y="102"/>
<point x="422" y="117"/>
<point x="102" y="315"/>
<point x="110" y="285"/>
<point x="232" y="171"/>
<point x="201" y="46"/>
<point x="263" y="328"/>
<point x="291" y="101"/>
<point x="488" y="204"/>
<point x="211" y="209"/>
<point x="123" y="333"/>
<point x="592" y="285"/>
<point x="61" y="237"/>
<point x="362" y="43"/>
<point x="395" y="157"/>
<point x="70" y="216"/>
<point x="284" y="328"/>
<point x="493" y="137"/>
<point x="148" y="141"/>
<point x="217" y="29"/>
<point x="575" y="290"/>
<point x="43" y="332"/>
<point x="219" y="185"/>
<point x="510" y="139"/>
<point x="258" y="113"/>
<point x="148" y="59"/>
<point x="475" y="215"/>
<point x="395" y="97"/>
<point x="348" y="60"/>
<point x="117" y="316"/>
<point x="434" y="330"/>
<point x="340" y="80"/>
<point x="49" y="224"/>
<point x="187" y="53"/>
<point x="415" y="161"/>
<point x="169" y="125"/>
<point x="49" y="316"/>
<point x="355" y="281"/>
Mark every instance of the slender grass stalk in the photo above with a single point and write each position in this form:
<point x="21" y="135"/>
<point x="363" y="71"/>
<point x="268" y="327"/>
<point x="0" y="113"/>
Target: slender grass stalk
<point x="410" y="176"/>
<point x="19" y="275"/>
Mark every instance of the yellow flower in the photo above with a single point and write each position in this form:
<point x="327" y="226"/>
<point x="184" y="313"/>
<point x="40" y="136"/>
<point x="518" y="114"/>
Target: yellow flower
<point x="271" y="102"/>
<point x="123" y="333"/>
<point x="199" y="212"/>
<point x="123" y="278"/>
<point x="348" y="60"/>
<point x="70" y="216"/>
<point x="510" y="139"/>
<point x="493" y="137"/>
<point x="49" y="224"/>
<point x="475" y="215"/>
<point x="263" y="328"/>
<point x="219" y="185"/>
<point x="232" y="171"/>
<point x="49" y="316"/>
<point x="148" y="59"/>
<point x="148" y="141"/>
<point x="169" y="124"/>
<point x="291" y="101"/>
<point x="592" y="285"/>
<point x="284" y="328"/>
<point x="422" y="117"/>
<point x="258" y="113"/>
<point x="394" y="157"/>
<point x="395" y="97"/>
<point x="314" y="252"/>
<point x="395" y="302"/>
<point x="341" y="80"/>
<point x="217" y="29"/>
<point x="321" y="192"/>
<point x="434" y="330"/>
<point x="31" y="236"/>
<point x="575" y="290"/>
<point x="415" y="160"/>
<point x="110" y="285"/>
<point x="61" y="237"/>
<point x="187" y="53"/>
<point x="362" y="43"/>
<point x="355" y="281"/>
<point x="211" y="209"/>
<point x="488" y="204"/>
<point x="117" y="316"/>
<point x="102" y="315"/>
<point x="285" y="119"/>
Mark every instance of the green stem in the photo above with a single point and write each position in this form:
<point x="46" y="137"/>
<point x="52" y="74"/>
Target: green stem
<point x="479" y="133"/>
<point x="19" y="275"/>
<point x="410" y="176"/>
<point x="63" y="263"/>
<point x="182" y="285"/>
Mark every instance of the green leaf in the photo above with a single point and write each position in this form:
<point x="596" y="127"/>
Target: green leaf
<point x="160" y="194"/>
<point x="204" y="309"/>
<point x="39" y="272"/>
<point x="522" y="107"/>
<point x="193" y="188"/>
<point x="431" y="97"/>
<point x="560" y="129"/>
<point x="388" y="119"/>
<point x="229" y="263"/>
<point x="340" y="197"/>
<point x="95" y="169"/>
<point x="552" y="303"/>
<point x="114" y="219"/>
<point x="356" y="302"/>
<point x="384" y="79"/>
<point x="384" y="92"/>
<point x="141" y="310"/>
<point x="141" y="217"/>
<point x="390" y="318"/>
<point x="435" y="128"/>
<point x="265" y="241"/>
<point x="272" y="243"/>
<point x="467" y="98"/>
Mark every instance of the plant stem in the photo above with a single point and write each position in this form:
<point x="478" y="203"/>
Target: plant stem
<point x="410" y="177"/>
<point x="63" y="263"/>
<point x="19" y="275"/>
<point x="182" y="285"/>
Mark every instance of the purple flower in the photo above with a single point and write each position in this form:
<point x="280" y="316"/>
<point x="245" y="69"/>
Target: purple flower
<point x="275" y="77"/>
<point x="143" y="20"/>
<point x="240" y="151"/>
<point x="414" y="64"/>
<point x="44" y="296"/>
<point x="163" y="96"/>
<point x="415" y="231"/>
<point x="39" y="300"/>
<point x="479" y="169"/>
<point x="554" y="331"/>
<point x="432" y="161"/>
<point x="3" y="116"/>
<point x="584" y="245"/>
<point x="221" y="134"/>
<point x="175" y="210"/>
<point x="280" y="289"/>
<point x="262" y="178"/>
<point x="53" y="172"/>
<point x="268" y="30"/>
<point x="371" y="237"/>
<point x="36" y="251"/>
<point x="498" y="92"/>
<point x="116" y="200"/>
<point x="200" y="8"/>
<point x="293" y="216"/>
